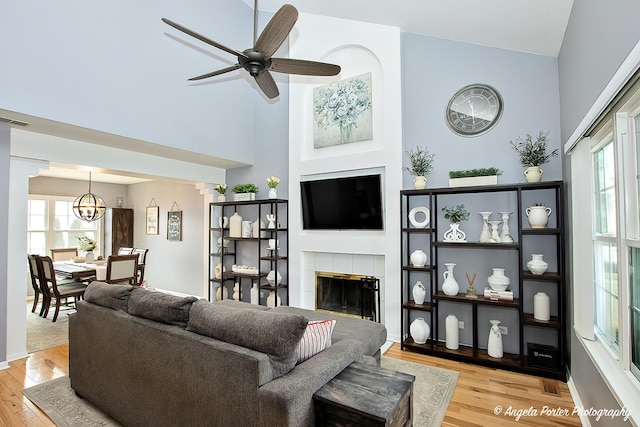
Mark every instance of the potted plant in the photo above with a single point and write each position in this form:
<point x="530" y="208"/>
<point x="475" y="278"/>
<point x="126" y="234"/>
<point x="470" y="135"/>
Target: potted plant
<point x="87" y="244"/>
<point x="455" y="215"/>
<point x="244" y="192"/>
<point x="421" y="164"/>
<point x="221" y="189"/>
<point x="272" y="183"/>
<point x="533" y="154"/>
<point x="474" y="177"/>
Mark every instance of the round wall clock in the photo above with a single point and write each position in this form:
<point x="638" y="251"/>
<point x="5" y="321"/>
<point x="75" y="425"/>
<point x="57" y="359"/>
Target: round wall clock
<point x="474" y="110"/>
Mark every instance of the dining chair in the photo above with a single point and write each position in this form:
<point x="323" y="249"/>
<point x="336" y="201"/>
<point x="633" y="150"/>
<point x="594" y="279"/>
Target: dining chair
<point x="142" y="262"/>
<point x="122" y="269"/>
<point x="52" y="289"/>
<point x="125" y="251"/>
<point x="64" y="254"/>
<point x="35" y="283"/>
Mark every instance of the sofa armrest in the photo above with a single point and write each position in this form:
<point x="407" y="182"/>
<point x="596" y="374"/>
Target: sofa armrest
<point x="288" y="400"/>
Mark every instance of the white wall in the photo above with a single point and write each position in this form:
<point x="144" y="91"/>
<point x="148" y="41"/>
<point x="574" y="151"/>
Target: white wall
<point x="358" y="48"/>
<point x="171" y="265"/>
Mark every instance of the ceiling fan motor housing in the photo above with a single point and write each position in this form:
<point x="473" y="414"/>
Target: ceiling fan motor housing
<point x="254" y="63"/>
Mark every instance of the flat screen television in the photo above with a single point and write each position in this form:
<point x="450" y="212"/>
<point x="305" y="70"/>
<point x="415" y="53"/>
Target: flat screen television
<point x="349" y="203"/>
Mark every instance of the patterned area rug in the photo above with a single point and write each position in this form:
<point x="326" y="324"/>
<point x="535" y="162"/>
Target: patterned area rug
<point x="43" y="333"/>
<point x="432" y="392"/>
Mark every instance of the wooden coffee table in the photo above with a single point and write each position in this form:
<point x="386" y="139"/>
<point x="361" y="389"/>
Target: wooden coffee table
<point x="365" y="395"/>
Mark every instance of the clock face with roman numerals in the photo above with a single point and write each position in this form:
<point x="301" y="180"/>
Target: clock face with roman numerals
<point x="474" y="110"/>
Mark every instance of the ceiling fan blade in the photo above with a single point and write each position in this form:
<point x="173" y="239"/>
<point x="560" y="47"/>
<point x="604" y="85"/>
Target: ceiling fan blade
<point x="267" y="84"/>
<point x="203" y="38"/>
<point x="216" y="73"/>
<point x="276" y="30"/>
<point x="306" y="68"/>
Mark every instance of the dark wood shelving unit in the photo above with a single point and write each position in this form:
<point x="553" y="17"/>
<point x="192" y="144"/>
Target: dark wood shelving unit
<point x="527" y="326"/>
<point x="263" y="258"/>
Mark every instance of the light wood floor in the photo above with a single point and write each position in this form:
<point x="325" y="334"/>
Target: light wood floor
<point x="478" y="392"/>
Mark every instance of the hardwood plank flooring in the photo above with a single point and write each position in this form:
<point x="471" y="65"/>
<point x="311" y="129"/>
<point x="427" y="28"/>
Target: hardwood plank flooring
<point x="478" y="392"/>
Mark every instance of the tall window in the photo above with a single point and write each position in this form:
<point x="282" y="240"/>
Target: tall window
<point x="52" y="224"/>
<point x="605" y="244"/>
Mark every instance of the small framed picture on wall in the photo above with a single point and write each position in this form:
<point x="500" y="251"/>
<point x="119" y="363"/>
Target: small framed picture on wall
<point x="152" y="219"/>
<point x="174" y="226"/>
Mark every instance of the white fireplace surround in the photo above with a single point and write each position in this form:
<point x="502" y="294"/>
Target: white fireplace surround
<point x="357" y="264"/>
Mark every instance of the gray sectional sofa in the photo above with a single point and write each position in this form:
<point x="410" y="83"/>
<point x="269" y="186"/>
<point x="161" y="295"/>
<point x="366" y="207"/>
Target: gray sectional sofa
<point x="153" y="359"/>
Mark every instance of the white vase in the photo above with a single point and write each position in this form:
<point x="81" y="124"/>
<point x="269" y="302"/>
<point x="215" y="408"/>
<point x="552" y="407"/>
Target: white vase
<point x="418" y="258"/>
<point x="419" y="330"/>
<point x="272" y="220"/>
<point x="222" y="198"/>
<point x="495" y="237"/>
<point x="450" y="286"/>
<point x="538" y="216"/>
<point x="257" y="229"/>
<point x="485" y="234"/>
<point x="541" y="310"/>
<point x="419" y="182"/>
<point x="222" y="294"/>
<point x="451" y="332"/>
<point x="89" y="257"/>
<point x="273" y="300"/>
<point x="505" y="237"/>
<point x="419" y="292"/>
<point x="494" y="344"/>
<point x="235" y="225"/>
<point x="246" y="229"/>
<point x="236" y="291"/>
<point x="498" y="281"/>
<point x="454" y="234"/>
<point x="255" y="294"/>
<point x="533" y="174"/>
<point x="537" y="265"/>
<point x="223" y="222"/>
<point x="274" y="278"/>
<point x="273" y="193"/>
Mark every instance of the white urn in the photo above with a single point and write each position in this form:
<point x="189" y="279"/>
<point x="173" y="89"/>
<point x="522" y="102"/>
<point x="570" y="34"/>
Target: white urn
<point x="498" y="281"/>
<point x="418" y="258"/>
<point x="538" y="216"/>
<point x="537" y="265"/>
<point x="419" y="330"/>
<point x="419" y="182"/>
<point x="533" y="174"/>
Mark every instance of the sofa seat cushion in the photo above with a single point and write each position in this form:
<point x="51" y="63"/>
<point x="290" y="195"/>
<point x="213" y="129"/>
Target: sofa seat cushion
<point x="160" y="306"/>
<point x="372" y="334"/>
<point x="275" y="334"/>
<point x="108" y="295"/>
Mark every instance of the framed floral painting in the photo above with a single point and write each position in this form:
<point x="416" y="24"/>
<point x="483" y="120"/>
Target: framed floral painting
<point x="342" y="112"/>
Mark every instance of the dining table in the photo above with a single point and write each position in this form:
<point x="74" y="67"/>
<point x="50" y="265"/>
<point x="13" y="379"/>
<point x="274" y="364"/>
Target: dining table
<point x="80" y="270"/>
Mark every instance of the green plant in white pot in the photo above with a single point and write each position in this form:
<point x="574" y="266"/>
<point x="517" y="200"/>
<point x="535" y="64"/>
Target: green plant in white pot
<point x="420" y="166"/>
<point x="533" y="154"/>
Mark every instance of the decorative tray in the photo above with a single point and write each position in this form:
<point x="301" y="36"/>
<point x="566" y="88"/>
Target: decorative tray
<point x="244" y="269"/>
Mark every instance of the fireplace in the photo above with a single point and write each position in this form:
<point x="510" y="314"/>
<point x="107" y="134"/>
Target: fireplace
<point x="348" y="295"/>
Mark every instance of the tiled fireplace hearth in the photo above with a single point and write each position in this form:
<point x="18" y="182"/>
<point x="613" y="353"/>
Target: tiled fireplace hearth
<point x="346" y="271"/>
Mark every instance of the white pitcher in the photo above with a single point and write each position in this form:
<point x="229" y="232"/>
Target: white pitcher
<point x="450" y="286"/>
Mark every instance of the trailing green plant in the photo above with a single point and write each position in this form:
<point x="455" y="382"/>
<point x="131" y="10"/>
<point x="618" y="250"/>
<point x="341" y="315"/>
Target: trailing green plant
<point x="420" y="160"/>
<point x="455" y="213"/>
<point x="533" y="153"/>
<point x="245" y="188"/>
<point x="475" y="172"/>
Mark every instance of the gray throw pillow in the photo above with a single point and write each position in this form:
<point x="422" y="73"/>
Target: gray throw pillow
<point x="108" y="295"/>
<point x="160" y="306"/>
<point x="275" y="334"/>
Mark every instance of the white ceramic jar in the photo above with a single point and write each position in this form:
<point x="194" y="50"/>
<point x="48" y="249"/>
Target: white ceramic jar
<point x="541" y="306"/>
<point x="419" y="330"/>
<point x="537" y="265"/>
<point x="538" y="216"/>
<point x="451" y="332"/>
<point x="418" y="258"/>
<point x="498" y="281"/>
<point x="235" y="225"/>
<point x="419" y="292"/>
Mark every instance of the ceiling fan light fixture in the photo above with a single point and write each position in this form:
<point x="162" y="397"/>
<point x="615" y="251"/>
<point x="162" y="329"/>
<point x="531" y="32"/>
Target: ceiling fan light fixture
<point x="89" y="207"/>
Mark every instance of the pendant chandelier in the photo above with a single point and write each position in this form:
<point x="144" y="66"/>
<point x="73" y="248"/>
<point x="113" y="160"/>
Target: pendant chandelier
<point x="89" y="207"/>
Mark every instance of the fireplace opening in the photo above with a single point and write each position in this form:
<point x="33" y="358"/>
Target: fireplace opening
<point x="348" y="295"/>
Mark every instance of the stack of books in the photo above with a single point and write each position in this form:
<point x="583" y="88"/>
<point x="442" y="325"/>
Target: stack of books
<point x="498" y="295"/>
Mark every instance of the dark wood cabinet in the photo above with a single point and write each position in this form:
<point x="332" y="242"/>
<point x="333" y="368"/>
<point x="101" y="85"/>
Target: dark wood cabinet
<point x="118" y="230"/>
<point x="533" y="346"/>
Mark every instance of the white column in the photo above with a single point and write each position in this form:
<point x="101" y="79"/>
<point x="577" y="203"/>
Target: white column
<point x="207" y="191"/>
<point x="5" y="144"/>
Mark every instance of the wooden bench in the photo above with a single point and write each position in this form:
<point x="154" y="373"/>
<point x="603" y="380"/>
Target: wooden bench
<point x="365" y="395"/>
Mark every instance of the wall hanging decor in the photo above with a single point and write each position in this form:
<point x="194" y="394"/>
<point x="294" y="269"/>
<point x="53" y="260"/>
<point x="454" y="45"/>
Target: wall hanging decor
<point x="174" y="224"/>
<point x="153" y="212"/>
<point x="342" y="112"/>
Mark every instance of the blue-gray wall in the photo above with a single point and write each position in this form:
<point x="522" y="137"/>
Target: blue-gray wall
<point x="434" y="69"/>
<point x="598" y="38"/>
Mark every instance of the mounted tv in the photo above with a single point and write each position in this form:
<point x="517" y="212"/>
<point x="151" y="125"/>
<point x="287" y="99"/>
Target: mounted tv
<point x="349" y="203"/>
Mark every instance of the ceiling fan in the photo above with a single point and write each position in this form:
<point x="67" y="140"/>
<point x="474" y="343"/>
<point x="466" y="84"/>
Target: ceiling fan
<point x="257" y="60"/>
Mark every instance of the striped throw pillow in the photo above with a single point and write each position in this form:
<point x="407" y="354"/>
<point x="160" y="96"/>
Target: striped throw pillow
<point x="316" y="338"/>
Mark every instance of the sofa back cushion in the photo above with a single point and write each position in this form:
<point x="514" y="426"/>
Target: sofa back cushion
<point x="160" y="306"/>
<point x="108" y="295"/>
<point x="275" y="334"/>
